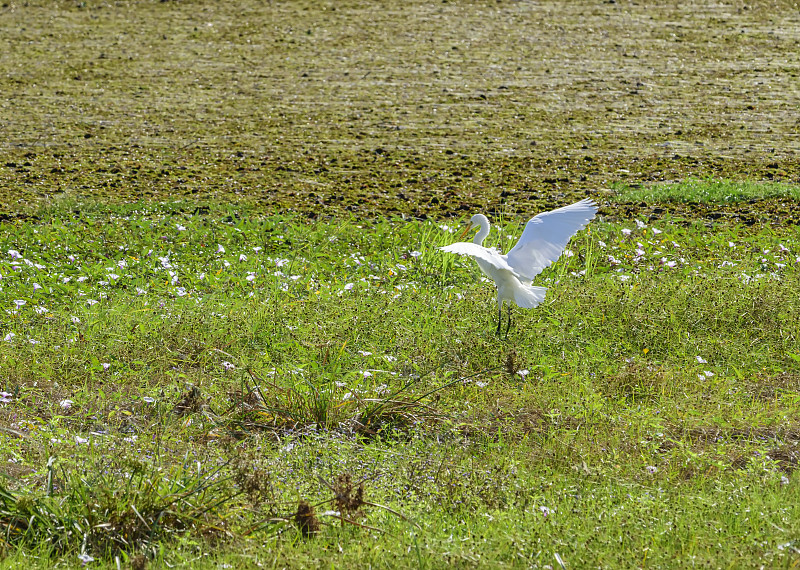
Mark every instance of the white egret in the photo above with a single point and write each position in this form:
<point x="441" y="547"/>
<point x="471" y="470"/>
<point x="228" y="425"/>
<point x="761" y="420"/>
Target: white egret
<point x="542" y="242"/>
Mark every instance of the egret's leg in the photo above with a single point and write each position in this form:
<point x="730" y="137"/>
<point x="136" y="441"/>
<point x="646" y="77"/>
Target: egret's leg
<point x="499" y="315"/>
<point x="508" y="327"/>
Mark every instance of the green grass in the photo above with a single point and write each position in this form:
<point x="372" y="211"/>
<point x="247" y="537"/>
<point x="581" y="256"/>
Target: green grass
<point x="712" y="191"/>
<point x="177" y="383"/>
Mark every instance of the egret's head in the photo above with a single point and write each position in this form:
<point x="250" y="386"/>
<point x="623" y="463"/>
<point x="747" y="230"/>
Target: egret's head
<point x="476" y="221"/>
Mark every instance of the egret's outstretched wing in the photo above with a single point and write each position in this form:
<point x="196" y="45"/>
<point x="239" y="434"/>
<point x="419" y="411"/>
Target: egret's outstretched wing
<point x="478" y="252"/>
<point x="546" y="235"/>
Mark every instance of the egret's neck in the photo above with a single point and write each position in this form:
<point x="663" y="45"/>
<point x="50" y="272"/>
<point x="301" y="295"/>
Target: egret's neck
<point x="482" y="232"/>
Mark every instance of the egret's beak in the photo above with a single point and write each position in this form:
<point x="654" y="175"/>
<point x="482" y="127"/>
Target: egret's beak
<point x="465" y="231"/>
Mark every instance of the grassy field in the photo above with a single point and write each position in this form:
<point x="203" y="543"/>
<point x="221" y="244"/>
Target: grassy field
<point x="182" y="384"/>
<point x="228" y="338"/>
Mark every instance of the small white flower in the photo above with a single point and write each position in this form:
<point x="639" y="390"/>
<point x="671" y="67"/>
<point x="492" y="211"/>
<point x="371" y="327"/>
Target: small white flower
<point x="257" y="248"/>
<point x="66" y="404"/>
<point x="601" y="243"/>
<point x="524" y="372"/>
<point x="81" y="440"/>
<point x="140" y="291"/>
<point x="148" y="399"/>
<point x="701" y="360"/>
<point x="228" y="366"/>
<point x="651" y="469"/>
<point x="82" y="278"/>
<point x="390" y="358"/>
<point x="402" y="267"/>
<point x="641" y="225"/>
<point x="105" y="365"/>
<point x="546" y="511"/>
<point x="113" y="276"/>
<point x="708" y="373"/>
<point x="415" y="253"/>
<point x="220" y="249"/>
<point x="655" y="231"/>
<point x="348" y="286"/>
<point x="180" y="291"/>
<point x="250" y="277"/>
<point x="36" y="286"/>
<point x="20" y="302"/>
<point x="85" y="558"/>
<point x="242" y="257"/>
<point x="91" y="302"/>
<point x="9" y="337"/>
<point x="366" y="373"/>
<point x="14" y="254"/>
<point x="364" y="353"/>
<point x="626" y="232"/>
<point x="180" y="228"/>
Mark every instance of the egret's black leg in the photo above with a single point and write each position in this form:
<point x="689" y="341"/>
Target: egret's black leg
<point x="499" y="317"/>
<point x="508" y="327"/>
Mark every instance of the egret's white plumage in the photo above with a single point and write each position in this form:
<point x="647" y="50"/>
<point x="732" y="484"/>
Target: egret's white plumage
<point x="542" y="242"/>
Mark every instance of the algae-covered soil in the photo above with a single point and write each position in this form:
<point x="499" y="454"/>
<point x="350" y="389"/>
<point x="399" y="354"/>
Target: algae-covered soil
<point x="423" y="108"/>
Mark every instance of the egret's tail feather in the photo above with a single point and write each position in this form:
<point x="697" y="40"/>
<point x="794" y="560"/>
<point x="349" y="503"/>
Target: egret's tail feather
<point x="528" y="297"/>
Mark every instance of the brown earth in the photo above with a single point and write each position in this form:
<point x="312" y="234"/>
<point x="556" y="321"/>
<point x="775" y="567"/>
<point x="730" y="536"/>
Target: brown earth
<point x="381" y="108"/>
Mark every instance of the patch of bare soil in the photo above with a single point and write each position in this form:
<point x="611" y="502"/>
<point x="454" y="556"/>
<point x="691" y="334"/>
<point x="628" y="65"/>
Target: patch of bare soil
<point x="421" y="108"/>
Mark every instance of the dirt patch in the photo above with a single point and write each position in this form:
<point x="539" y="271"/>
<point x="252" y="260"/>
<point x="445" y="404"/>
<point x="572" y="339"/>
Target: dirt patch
<point x="516" y="424"/>
<point x="425" y="108"/>
<point x="771" y="387"/>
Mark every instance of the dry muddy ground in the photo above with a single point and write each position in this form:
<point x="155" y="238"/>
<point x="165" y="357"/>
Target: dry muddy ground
<point x="423" y="108"/>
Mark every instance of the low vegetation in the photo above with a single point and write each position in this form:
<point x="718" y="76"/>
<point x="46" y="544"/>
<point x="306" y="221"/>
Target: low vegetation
<point x="211" y="386"/>
<point x="707" y="191"/>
